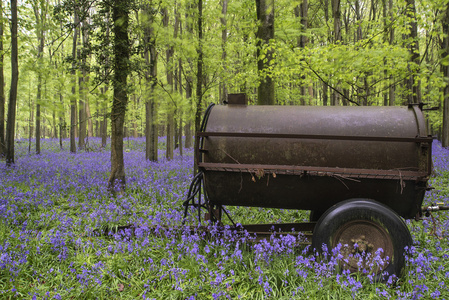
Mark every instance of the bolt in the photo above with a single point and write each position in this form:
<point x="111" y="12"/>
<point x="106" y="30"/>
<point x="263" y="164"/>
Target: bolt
<point x="362" y="247"/>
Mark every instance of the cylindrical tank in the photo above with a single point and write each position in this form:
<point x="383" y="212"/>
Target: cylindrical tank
<point x="311" y="157"/>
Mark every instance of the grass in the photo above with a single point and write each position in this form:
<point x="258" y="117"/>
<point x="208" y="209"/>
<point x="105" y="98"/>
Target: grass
<point x="51" y="205"/>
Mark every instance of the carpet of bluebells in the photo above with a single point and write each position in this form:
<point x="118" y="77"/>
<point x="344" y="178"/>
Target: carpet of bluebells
<point x="52" y="204"/>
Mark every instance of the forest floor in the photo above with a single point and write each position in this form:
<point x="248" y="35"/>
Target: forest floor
<point x="51" y="206"/>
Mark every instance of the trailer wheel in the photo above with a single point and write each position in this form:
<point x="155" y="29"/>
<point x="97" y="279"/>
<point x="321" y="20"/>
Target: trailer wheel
<point x="371" y="235"/>
<point x="315" y="215"/>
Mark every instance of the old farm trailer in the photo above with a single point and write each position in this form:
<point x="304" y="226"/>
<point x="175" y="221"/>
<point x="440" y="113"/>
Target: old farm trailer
<point x="357" y="169"/>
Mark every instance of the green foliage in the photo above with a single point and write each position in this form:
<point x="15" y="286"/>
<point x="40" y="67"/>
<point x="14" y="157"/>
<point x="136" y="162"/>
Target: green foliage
<point x="365" y="65"/>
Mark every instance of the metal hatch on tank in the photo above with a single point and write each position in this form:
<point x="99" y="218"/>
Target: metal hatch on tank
<point x="363" y="162"/>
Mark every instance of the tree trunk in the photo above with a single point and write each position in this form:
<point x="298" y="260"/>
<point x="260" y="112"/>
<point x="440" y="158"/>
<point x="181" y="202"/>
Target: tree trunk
<point x="61" y="108"/>
<point x="188" y="126"/>
<point x="39" y="13"/>
<point x="54" y="128"/>
<point x="73" y="73"/>
<point x="62" y="127"/>
<point x="265" y="32"/>
<point x="153" y="136"/>
<point x="385" y="25"/>
<point x="189" y="93"/>
<point x="199" y="78"/>
<point x="413" y="84"/>
<point x="177" y="112"/>
<point x="13" y="90"/>
<point x="391" y="90"/>
<point x="150" y="54"/>
<point x="169" y="154"/>
<point x="325" y="87"/>
<point x="86" y="62"/>
<point x="2" y="88"/>
<point x="30" y="120"/>
<point x="325" y="94"/>
<point x="336" y="13"/>
<point x="121" y="51"/>
<point x="301" y="12"/>
<point x="180" y="132"/>
<point x="223" y="91"/>
<point x="180" y="112"/>
<point x="445" y="71"/>
<point x="90" y="125"/>
<point x="38" y="118"/>
<point x="81" y="102"/>
<point x="104" y="132"/>
<point x="136" y="102"/>
<point x="104" y="109"/>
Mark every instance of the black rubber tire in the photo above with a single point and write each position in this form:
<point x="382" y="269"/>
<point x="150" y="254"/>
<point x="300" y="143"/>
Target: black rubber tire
<point x="315" y="215"/>
<point x="361" y="211"/>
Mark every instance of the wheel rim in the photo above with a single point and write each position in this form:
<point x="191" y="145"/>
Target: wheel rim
<point x="364" y="245"/>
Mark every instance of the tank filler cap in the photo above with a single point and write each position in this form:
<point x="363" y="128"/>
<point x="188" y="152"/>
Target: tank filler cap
<point x="237" y="99"/>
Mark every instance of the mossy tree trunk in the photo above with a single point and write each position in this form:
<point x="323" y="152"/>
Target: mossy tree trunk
<point x="120" y="17"/>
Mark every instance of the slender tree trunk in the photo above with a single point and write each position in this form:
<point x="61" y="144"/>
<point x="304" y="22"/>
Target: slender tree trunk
<point x="39" y="13"/>
<point x="265" y="33"/>
<point x="73" y="99"/>
<point x="82" y="128"/>
<point x="413" y="84"/>
<point x="223" y="91"/>
<point x="180" y="132"/>
<point x="30" y="119"/>
<point x="336" y="13"/>
<point x="104" y="122"/>
<point x="325" y="94"/>
<point x="199" y="78"/>
<point x="199" y="67"/>
<point x="13" y="90"/>
<point x="180" y="112"/>
<point x="54" y="128"/>
<point x="385" y="25"/>
<point x="101" y="112"/>
<point x="301" y="12"/>
<point x="81" y="114"/>
<point x="177" y="112"/>
<point x="445" y="71"/>
<point x="2" y="91"/>
<point x="104" y="90"/>
<point x="188" y="126"/>
<point x="136" y="104"/>
<point x="90" y="125"/>
<point x="62" y="127"/>
<point x="121" y="70"/>
<point x="169" y="154"/>
<point x="38" y="119"/>
<point x="150" y="55"/>
<point x="61" y="110"/>
<point x="86" y="62"/>
<point x="391" y="90"/>
<point x="188" y="89"/>
<point x="151" y="129"/>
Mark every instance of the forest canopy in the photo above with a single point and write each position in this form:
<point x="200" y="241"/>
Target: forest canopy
<point x="184" y="54"/>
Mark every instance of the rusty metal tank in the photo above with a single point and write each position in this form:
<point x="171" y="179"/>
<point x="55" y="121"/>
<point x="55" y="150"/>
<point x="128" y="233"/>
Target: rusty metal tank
<point x="312" y="157"/>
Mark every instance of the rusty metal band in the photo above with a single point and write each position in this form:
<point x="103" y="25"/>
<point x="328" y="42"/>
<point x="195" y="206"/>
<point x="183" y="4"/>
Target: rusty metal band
<point x="315" y="137"/>
<point x="317" y="171"/>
